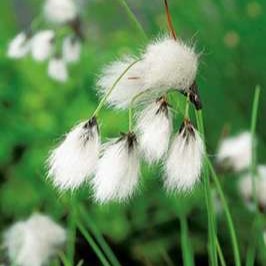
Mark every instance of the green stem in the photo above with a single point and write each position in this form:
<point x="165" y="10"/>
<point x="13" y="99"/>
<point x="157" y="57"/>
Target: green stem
<point x="208" y="198"/>
<point x="220" y="253"/>
<point x="227" y="214"/>
<point x="253" y="166"/>
<point x="187" y="107"/>
<point x="64" y="259"/>
<point x="133" y="19"/>
<point x="36" y="23"/>
<point x="98" y="236"/>
<point x="92" y="243"/>
<point x="185" y="243"/>
<point x="130" y="118"/>
<point x="71" y="232"/>
<point x="103" y="100"/>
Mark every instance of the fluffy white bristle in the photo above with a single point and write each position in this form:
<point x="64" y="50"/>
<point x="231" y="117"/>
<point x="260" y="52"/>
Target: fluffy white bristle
<point x="34" y="241"/>
<point x="154" y="127"/>
<point x="117" y="171"/>
<point x="71" y="49"/>
<point x="169" y="64"/>
<point x="60" y="11"/>
<point x="74" y="160"/>
<point x="184" y="163"/>
<point x="42" y="44"/>
<point x="246" y="190"/>
<point x="235" y="152"/>
<point x="128" y="86"/>
<point x="19" y="46"/>
<point x="57" y="69"/>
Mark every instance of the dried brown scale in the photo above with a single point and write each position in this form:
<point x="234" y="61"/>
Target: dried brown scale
<point x="76" y="26"/>
<point x="130" y="138"/>
<point x="163" y="105"/>
<point x="88" y="134"/>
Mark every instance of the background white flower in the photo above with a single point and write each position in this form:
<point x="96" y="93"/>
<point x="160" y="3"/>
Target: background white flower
<point x="32" y="242"/>
<point x="235" y="152"/>
<point x="60" y="11"/>
<point x="42" y="44"/>
<point x="57" y="69"/>
<point x="19" y="46"/>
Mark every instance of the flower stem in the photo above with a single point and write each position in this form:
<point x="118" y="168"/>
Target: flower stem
<point x="220" y="253"/>
<point x="72" y="231"/>
<point x="133" y="19"/>
<point x="208" y="199"/>
<point x="253" y="166"/>
<point x="186" y="246"/>
<point x="169" y="20"/>
<point x="103" y="100"/>
<point x="222" y="197"/>
<point x="187" y="107"/>
<point x="227" y="214"/>
<point x="130" y="118"/>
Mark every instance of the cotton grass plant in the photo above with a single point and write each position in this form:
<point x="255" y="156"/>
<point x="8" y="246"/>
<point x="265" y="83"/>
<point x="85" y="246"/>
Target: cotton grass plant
<point x="149" y="86"/>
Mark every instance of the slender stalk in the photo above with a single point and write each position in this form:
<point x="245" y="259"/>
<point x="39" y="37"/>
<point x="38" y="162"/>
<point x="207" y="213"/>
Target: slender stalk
<point x="188" y="259"/>
<point x="71" y="232"/>
<point x="187" y="107"/>
<point x="220" y="253"/>
<point x="98" y="236"/>
<point x="251" y="254"/>
<point x="93" y="245"/>
<point x="133" y="19"/>
<point x="169" y="20"/>
<point x="253" y="167"/>
<point x="208" y="200"/>
<point x="64" y="259"/>
<point x="103" y="100"/>
<point x="227" y="214"/>
<point x="130" y="119"/>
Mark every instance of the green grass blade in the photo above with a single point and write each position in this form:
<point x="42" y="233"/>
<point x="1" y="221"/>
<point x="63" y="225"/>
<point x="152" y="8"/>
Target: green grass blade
<point x="133" y="19"/>
<point x="188" y="259"/>
<point x="92" y="243"/>
<point x="220" y="253"/>
<point x="253" y="166"/>
<point x="208" y="198"/>
<point x="71" y="232"/>
<point x="227" y="214"/>
<point x="98" y="236"/>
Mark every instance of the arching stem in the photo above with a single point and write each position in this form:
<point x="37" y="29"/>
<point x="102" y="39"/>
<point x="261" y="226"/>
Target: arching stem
<point x="169" y="20"/>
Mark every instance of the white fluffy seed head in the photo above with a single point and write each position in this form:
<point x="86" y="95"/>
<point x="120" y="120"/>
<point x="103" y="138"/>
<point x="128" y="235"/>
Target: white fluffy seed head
<point x="262" y="186"/>
<point x="74" y="160"/>
<point x="42" y="45"/>
<point x="169" y="64"/>
<point x="246" y="190"/>
<point x="184" y="162"/>
<point x="60" y="11"/>
<point x="71" y="49"/>
<point x="154" y="127"/>
<point x="57" y="69"/>
<point x="235" y="152"/>
<point x="19" y="46"/>
<point x="34" y="241"/>
<point x="117" y="171"/>
<point x="128" y="86"/>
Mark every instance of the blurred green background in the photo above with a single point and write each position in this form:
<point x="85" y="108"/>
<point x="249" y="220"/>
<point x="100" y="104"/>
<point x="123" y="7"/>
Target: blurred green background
<point x="36" y="111"/>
